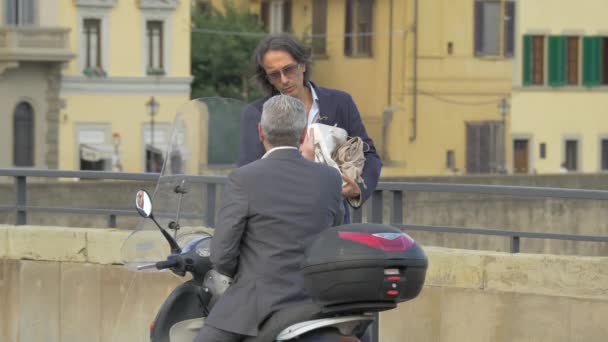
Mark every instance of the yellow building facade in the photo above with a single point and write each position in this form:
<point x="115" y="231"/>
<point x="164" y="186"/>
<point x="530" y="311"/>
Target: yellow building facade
<point x="560" y="98"/>
<point x="127" y="53"/>
<point x="427" y="76"/>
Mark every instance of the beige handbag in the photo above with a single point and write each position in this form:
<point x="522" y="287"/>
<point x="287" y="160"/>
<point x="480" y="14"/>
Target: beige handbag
<point x="334" y="148"/>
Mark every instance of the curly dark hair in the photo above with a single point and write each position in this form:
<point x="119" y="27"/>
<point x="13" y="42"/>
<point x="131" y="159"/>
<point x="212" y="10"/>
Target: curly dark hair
<point x="279" y="42"/>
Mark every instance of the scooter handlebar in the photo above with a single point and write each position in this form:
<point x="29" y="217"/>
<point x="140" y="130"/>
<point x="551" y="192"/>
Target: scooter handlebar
<point x="161" y="265"/>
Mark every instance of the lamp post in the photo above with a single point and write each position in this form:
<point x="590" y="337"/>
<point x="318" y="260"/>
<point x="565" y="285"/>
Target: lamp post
<point x="152" y="105"/>
<point x="504" y="107"/>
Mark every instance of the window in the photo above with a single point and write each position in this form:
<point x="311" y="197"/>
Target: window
<point x="450" y="162"/>
<point x="543" y="151"/>
<point x="358" y="29"/>
<point x="156" y="139"/>
<point x="534" y="60"/>
<point x="595" y="61"/>
<point x="563" y="60"/>
<point x="276" y="15"/>
<point x="489" y="27"/>
<point x="92" y="43"/>
<point x="485" y="147"/>
<point x="572" y="60"/>
<point x="319" y="27"/>
<point x="604" y="152"/>
<point x="154" y="39"/>
<point x="23" y="135"/>
<point x="94" y="150"/>
<point x="20" y="12"/>
<point x="571" y="155"/>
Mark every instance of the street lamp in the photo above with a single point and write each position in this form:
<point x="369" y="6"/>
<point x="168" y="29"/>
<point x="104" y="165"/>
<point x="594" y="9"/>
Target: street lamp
<point x="504" y="107"/>
<point x="152" y="105"/>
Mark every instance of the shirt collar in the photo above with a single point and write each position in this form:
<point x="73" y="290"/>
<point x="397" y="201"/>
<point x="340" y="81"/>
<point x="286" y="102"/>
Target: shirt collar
<point x="314" y="109"/>
<point x="278" y="148"/>
<point x="315" y="98"/>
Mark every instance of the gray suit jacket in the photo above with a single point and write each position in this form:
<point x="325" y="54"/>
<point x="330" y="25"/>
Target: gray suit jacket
<point x="273" y="209"/>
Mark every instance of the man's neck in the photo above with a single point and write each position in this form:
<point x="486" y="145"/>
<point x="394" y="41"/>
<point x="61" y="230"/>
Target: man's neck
<point x="306" y="96"/>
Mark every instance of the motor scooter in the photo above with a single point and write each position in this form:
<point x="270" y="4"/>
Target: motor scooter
<point x="351" y="271"/>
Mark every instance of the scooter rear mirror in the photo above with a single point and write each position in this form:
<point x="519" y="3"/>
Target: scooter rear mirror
<point x="143" y="203"/>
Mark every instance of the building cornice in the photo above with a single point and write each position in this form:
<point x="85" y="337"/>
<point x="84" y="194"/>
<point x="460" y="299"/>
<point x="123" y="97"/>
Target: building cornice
<point x="126" y="85"/>
<point x="158" y="4"/>
<point x="96" y="3"/>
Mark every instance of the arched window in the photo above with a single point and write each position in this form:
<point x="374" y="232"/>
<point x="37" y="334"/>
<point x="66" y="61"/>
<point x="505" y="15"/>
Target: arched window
<point x="23" y="135"/>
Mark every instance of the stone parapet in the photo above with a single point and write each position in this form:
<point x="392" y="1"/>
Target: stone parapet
<point x="62" y="284"/>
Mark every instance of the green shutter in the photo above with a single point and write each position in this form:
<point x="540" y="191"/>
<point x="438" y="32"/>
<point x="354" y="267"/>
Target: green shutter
<point x="557" y="61"/>
<point x="591" y="61"/>
<point x="527" y="60"/>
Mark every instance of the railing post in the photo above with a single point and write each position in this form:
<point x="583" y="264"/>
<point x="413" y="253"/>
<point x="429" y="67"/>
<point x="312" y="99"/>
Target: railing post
<point x="397" y="207"/>
<point x="357" y="214"/>
<point x="112" y="221"/>
<point x="376" y="214"/>
<point x="20" y="189"/>
<point x="514" y="244"/>
<point x="210" y="205"/>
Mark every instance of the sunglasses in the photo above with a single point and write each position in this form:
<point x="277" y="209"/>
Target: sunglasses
<point x="288" y="71"/>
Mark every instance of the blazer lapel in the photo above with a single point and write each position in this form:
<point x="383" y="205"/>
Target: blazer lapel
<point x="327" y="111"/>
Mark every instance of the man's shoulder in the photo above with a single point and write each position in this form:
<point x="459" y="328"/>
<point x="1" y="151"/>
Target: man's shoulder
<point x="257" y="104"/>
<point x="334" y="93"/>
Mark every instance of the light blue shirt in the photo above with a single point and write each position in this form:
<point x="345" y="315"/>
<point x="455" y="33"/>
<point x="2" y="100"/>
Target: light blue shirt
<point x="313" y="115"/>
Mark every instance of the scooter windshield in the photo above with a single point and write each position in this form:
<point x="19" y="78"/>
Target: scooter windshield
<point x="204" y="137"/>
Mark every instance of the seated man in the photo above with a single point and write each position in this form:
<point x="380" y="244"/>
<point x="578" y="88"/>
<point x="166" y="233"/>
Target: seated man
<point x="273" y="209"/>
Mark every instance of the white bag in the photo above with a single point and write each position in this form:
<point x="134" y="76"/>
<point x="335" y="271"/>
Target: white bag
<point x="327" y="139"/>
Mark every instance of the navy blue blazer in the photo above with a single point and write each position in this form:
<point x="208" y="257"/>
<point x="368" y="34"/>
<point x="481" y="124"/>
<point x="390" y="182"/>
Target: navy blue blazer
<point x="335" y="107"/>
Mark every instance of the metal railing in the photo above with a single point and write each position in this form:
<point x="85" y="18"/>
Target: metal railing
<point x="374" y="206"/>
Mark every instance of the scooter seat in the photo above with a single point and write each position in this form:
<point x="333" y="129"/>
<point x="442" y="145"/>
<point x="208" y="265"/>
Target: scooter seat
<point x="284" y="318"/>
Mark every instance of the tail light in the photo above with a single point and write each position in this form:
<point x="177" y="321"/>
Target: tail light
<point x="388" y="242"/>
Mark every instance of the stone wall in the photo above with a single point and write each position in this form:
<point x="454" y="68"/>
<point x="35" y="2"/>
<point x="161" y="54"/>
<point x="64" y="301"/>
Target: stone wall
<point x="65" y="284"/>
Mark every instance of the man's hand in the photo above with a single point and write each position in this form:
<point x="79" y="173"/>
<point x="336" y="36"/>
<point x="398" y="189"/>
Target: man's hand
<point x="307" y="148"/>
<point x="351" y="189"/>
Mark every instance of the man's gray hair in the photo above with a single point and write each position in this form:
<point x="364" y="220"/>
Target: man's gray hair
<point x="283" y="120"/>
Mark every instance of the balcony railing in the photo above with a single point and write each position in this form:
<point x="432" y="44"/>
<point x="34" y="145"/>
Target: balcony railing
<point x="45" y="44"/>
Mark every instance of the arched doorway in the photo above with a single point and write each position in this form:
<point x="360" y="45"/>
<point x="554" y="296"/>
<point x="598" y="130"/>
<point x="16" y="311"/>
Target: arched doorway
<point x="23" y="135"/>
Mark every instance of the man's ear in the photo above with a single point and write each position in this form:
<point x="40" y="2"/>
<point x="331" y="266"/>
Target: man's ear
<point x="260" y="132"/>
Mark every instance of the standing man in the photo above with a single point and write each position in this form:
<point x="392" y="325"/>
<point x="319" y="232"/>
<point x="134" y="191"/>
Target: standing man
<point x="272" y="211"/>
<point x="283" y="66"/>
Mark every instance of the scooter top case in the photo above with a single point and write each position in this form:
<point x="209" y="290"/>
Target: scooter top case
<point x="363" y="268"/>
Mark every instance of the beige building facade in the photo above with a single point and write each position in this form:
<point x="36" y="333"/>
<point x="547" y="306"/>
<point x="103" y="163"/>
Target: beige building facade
<point x="34" y="46"/>
<point x="131" y="74"/>
<point x="560" y="87"/>
<point x="428" y="76"/>
<point x="78" y="79"/>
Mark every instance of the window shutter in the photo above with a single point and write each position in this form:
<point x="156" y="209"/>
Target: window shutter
<point x="527" y="60"/>
<point x="509" y="28"/>
<point x="28" y="12"/>
<point x="591" y="61"/>
<point x="557" y="59"/>
<point x="9" y="12"/>
<point x="348" y="23"/>
<point x="478" y="28"/>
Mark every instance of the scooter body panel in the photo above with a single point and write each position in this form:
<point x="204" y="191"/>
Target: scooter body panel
<point x="188" y="301"/>
<point x="346" y="325"/>
<point x="186" y="331"/>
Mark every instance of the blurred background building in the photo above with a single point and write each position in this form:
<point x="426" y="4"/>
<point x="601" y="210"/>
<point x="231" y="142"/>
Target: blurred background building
<point x="91" y="84"/>
<point x="428" y="76"/>
<point x="560" y="103"/>
<point x="443" y="86"/>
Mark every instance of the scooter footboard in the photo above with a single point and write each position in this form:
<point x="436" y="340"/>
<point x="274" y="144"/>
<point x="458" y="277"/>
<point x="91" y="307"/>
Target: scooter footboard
<point x="187" y="302"/>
